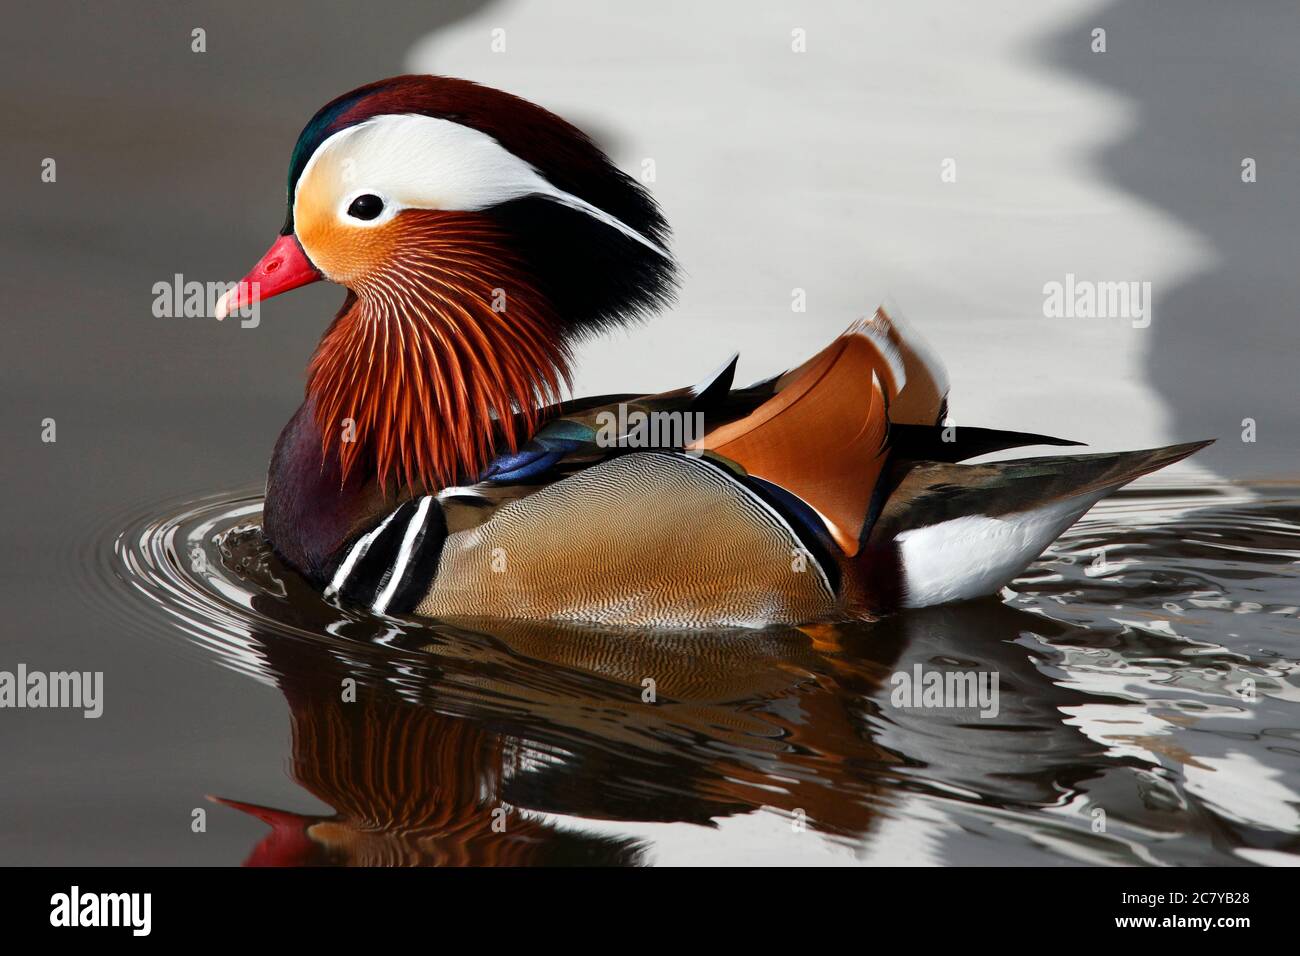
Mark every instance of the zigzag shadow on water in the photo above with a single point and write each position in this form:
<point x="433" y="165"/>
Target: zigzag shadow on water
<point x="467" y="738"/>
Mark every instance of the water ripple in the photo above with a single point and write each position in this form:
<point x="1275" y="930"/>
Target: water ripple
<point x="1148" y="700"/>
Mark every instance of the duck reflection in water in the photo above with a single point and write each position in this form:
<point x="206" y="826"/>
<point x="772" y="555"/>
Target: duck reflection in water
<point x="489" y="743"/>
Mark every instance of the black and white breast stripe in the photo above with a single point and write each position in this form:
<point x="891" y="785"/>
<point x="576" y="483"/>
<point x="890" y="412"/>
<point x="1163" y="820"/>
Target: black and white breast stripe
<point x="389" y="569"/>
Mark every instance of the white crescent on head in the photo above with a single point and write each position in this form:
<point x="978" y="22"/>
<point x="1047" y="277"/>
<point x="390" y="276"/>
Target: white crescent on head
<point x="412" y="161"/>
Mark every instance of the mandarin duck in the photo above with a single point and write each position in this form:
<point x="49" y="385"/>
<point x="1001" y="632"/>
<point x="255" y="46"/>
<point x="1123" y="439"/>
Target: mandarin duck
<point x="432" y="469"/>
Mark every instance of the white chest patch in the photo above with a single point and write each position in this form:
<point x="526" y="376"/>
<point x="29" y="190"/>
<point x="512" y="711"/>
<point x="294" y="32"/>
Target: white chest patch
<point x="975" y="555"/>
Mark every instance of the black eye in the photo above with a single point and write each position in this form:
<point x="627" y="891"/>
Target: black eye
<point x="366" y="207"/>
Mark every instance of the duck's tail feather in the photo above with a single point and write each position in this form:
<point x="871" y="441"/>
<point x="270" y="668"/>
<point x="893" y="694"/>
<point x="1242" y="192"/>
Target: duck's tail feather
<point x="950" y="444"/>
<point x="964" y="531"/>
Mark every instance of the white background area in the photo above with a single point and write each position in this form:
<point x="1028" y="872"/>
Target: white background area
<point x="821" y="171"/>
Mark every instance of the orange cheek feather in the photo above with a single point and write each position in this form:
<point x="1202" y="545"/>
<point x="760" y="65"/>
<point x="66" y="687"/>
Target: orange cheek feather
<point x="346" y="254"/>
<point x="447" y="338"/>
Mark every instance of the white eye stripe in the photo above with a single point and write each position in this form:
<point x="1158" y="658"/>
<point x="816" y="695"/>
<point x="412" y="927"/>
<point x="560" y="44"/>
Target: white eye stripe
<point x="421" y="162"/>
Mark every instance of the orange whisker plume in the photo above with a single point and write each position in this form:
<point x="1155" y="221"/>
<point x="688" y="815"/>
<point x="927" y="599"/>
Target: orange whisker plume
<point x="446" y="352"/>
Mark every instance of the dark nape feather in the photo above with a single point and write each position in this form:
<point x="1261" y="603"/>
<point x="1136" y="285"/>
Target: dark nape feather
<point x="929" y="442"/>
<point x="596" y="277"/>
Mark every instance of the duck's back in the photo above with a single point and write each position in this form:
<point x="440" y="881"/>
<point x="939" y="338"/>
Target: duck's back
<point x="830" y="491"/>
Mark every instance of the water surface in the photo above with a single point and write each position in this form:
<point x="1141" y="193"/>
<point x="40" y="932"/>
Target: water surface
<point x="1148" y="710"/>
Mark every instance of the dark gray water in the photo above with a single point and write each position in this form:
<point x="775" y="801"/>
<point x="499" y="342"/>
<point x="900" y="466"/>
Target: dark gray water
<point x="1149" y="700"/>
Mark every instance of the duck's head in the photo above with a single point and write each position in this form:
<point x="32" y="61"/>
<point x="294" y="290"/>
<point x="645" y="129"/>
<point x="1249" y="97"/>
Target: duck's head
<point x="478" y="235"/>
